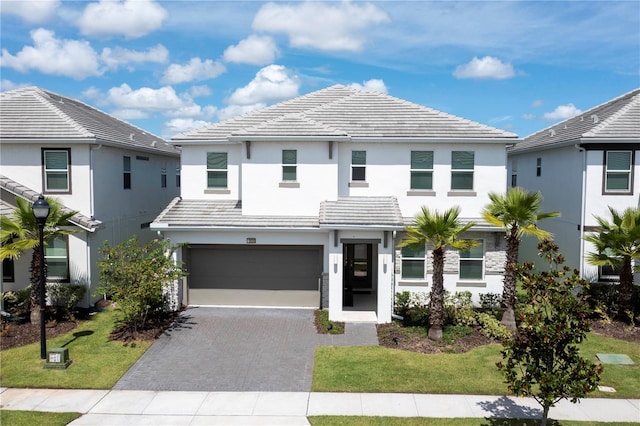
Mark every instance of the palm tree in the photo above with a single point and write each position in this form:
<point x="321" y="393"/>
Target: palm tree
<point x="517" y="213"/>
<point x="440" y="231"/>
<point x="19" y="232"/>
<point x="617" y="244"/>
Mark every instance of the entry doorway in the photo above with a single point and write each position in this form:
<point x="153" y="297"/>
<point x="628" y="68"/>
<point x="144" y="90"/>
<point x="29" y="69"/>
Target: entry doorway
<point x="359" y="272"/>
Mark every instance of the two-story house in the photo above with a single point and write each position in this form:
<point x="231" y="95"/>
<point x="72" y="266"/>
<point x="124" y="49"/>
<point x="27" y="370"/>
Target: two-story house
<point x="303" y="203"/>
<point x="115" y="175"/>
<point x="582" y="166"/>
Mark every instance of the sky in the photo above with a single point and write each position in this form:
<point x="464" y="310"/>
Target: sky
<point x="172" y="66"/>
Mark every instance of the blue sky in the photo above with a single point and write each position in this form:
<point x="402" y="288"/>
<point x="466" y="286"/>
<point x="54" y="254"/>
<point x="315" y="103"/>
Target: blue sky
<point x="171" y="66"/>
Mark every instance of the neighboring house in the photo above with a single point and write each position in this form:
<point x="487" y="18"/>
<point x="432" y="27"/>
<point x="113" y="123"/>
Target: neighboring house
<point x="117" y="176"/>
<point x="582" y="166"/>
<point x="302" y="204"/>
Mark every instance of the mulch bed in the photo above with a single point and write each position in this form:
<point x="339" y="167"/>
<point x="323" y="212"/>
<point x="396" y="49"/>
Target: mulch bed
<point x="391" y="335"/>
<point x="394" y="336"/>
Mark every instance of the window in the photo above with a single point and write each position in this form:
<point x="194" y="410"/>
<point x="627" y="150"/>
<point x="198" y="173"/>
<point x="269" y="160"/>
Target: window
<point x="472" y="262"/>
<point x="358" y="163"/>
<point x="618" y="171"/>
<point x="8" y="270"/>
<point x="462" y="163"/>
<point x="178" y="176"/>
<point x="413" y="263"/>
<point x="56" y="170"/>
<point x="55" y="252"/>
<point x="289" y="168"/>
<point x="126" y="172"/>
<point x="538" y="166"/>
<point x="422" y="170"/>
<point x="609" y="273"/>
<point x="216" y="169"/>
<point x="514" y="173"/>
<point x="163" y="177"/>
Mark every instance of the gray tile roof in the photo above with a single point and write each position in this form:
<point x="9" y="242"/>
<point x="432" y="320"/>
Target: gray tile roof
<point x="345" y="212"/>
<point x="617" y="120"/>
<point x="22" y="191"/>
<point x="361" y="211"/>
<point x="340" y="111"/>
<point x="34" y="113"/>
<point x="223" y="213"/>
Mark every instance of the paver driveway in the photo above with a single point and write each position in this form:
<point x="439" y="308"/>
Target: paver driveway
<point x="237" y="349"/>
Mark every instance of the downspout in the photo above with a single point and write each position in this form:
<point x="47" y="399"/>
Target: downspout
<point x="583" y="206"/>
<point x="92" y="215"/>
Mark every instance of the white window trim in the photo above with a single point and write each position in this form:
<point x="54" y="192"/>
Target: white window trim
<point x="66" y="258"/>
<point x="46" y="171"/>
<point x="294" y="165"/>
<point x="217" y="188"/>
<point x="429" y="191"/>
<point x="353" y="182"/>
<point x="629" y="173"/>
<point x="424" y="268"/>
<point x="469" y="192"/>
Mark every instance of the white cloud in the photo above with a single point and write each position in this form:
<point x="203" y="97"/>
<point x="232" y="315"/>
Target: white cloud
<point x="164" y="99"/>
<point x="487" y="68"/>
<point x="49" y="55"/>
<point x="10" y="85"/>
<point x="181" y="125"/>
<point x="129" y="18"/>
<point x="118" y="56"/>
<point x="197" y="91"/>
<point x="537" y="103"/>
<point x="373" y="84"/>
<point x="195" y="70"/>
<point x="33" y="12"/>
<point x="562" y="112"/>
<point x="254" y="50"/>
<point x="319" y="25"/>
<point x="271" y="83"/>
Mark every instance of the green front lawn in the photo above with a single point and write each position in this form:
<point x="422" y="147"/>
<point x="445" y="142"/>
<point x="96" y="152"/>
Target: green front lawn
<point x="379" y="369"/>
<point x="97" y="362"/>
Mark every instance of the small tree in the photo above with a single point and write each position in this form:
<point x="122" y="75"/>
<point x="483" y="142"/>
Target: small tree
<point x="542" y="359"/>
<point x="136" y="278"/>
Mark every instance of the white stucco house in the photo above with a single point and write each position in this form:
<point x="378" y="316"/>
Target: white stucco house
<point x="582" y="166"/>
<point x="302" y="204"/>
<point x="117" y="176"/>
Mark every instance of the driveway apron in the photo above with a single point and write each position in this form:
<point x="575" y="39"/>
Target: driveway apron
<point x="235" y="350"/>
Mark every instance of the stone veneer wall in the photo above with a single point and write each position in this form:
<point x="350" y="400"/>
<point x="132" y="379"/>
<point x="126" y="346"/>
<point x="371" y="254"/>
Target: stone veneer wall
<point x="325" y="290"/>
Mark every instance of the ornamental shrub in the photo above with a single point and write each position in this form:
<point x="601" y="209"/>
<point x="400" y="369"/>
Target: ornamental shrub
<point x="135" y="278"/>
<point x="66" y="296"/>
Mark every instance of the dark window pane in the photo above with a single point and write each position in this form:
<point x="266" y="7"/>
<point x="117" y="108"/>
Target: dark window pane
<point x="476" y="251"/>
<point x="55" y="160"/>
<point x="359" y="157"/>
<point x="126" y="164"/>
<point x="462" y="180"/>
<point x="471" y="269"/>
<point x="422" y="160"/>
<point x="617" y="181"/>
<point x="289" y="173"/>
<point x="462" y="160"/>
<point x="412" y="252"/>
<point x="217" y="179"/>
<point x="618" y="160"/>
<point x="413" y="269"/>
<point x="127" y="180"/>
<point x="57" y="181"/>
<point x="421" y="180"/>
<point x="289" y="156"/>
<point x="357" y="173"/>
<point x="217" y="160"/>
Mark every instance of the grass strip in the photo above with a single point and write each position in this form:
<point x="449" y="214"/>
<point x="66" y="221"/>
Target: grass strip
<point x="97" y="362"/>
<point x="22" y="418"/>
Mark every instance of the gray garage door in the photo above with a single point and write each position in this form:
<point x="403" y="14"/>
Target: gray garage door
<point x="254" y="275"/>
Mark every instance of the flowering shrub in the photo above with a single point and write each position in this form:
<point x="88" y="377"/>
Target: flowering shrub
<point x="135" y="278"/>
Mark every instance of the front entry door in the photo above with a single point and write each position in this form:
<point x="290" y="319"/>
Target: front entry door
<point x="357" y="274"/>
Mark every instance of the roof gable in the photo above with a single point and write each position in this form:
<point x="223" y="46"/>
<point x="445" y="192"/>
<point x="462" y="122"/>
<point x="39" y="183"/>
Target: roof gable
<point x="344" y="111"/>
<point x="616" y="120"/>
<point x="34" y="113"/>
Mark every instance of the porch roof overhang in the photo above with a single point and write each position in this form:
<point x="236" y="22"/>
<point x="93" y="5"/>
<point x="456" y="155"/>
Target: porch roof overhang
<point x="379" y="213"/>
<point x="81" y="221"/>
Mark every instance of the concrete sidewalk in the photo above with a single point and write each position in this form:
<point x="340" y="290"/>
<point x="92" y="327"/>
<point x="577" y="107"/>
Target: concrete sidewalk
<point x="127" y="407"/>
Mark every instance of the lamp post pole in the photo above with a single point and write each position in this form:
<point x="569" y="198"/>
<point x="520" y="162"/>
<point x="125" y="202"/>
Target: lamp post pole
<point x="41" y="212"/>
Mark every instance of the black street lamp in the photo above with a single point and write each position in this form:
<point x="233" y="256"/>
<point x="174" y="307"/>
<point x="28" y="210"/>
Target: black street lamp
<point x="41" y="212"/>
